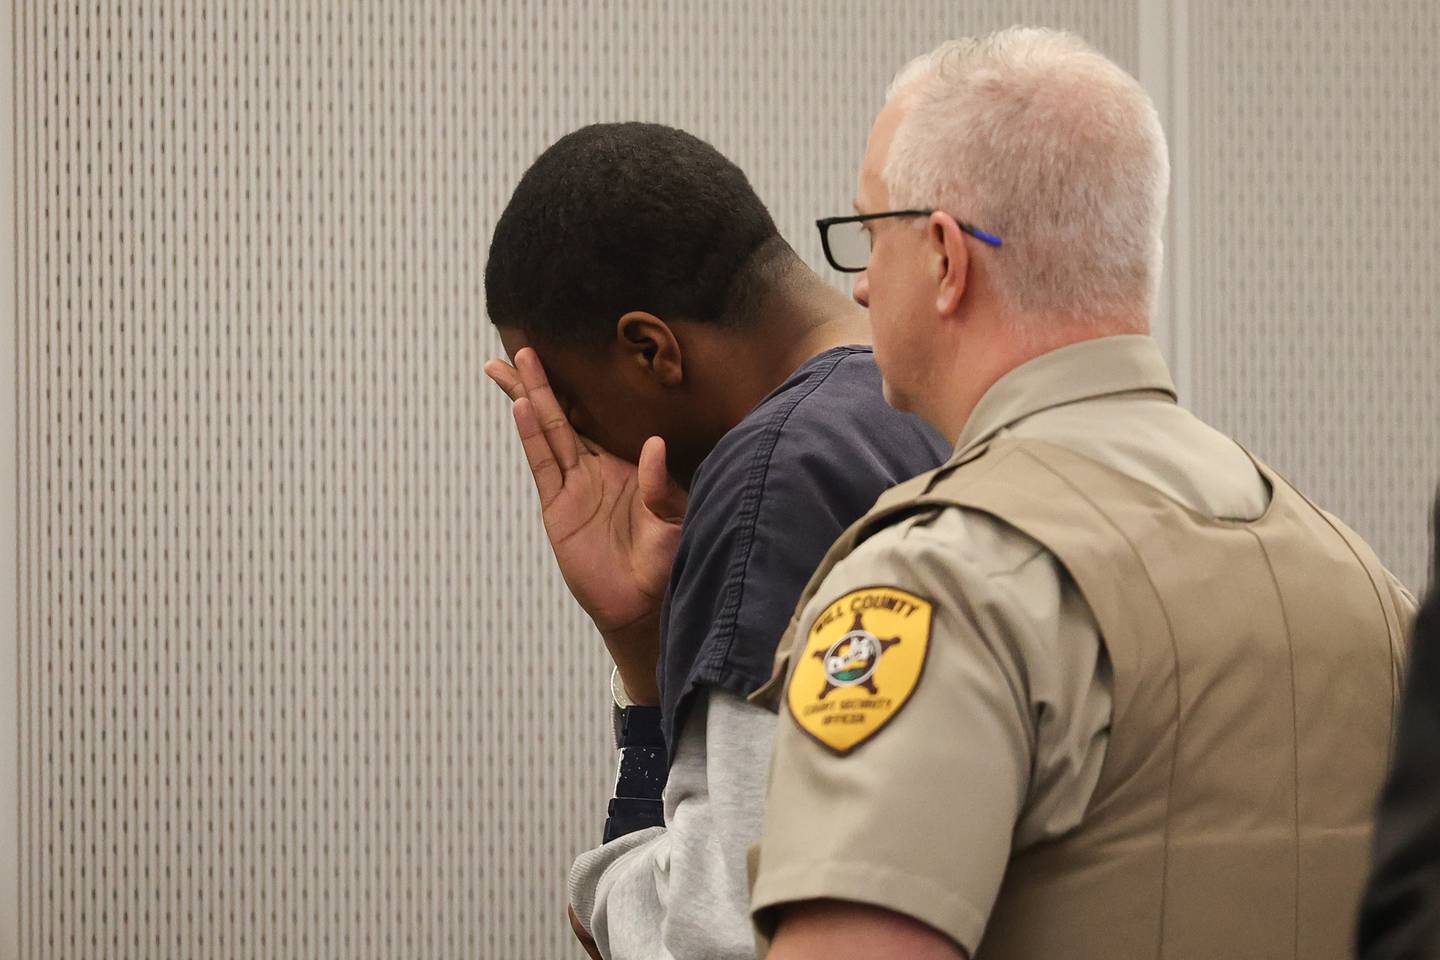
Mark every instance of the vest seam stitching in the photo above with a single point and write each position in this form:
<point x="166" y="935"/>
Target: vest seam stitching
<point x="1170" y="631"/>
<point x="1392" y="623"/>
<point x="1294" y="728"/>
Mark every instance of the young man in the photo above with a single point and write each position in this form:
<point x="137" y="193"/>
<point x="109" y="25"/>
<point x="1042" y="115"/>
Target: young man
<point x="661" y="328"/>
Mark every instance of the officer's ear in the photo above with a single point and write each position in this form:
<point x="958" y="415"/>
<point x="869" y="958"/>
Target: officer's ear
<point x="952" y="262"/>
<point x="650" y="345"/>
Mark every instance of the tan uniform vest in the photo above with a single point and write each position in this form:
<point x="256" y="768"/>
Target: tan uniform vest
<point x="1257" y="667"/>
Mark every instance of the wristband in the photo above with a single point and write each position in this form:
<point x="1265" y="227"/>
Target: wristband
<point x="627" y="815"/>
<point x="640" y="779"/>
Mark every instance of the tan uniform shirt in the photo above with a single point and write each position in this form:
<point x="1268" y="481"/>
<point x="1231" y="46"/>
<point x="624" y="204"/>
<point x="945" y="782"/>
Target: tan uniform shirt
<point x="1000" y="744"/>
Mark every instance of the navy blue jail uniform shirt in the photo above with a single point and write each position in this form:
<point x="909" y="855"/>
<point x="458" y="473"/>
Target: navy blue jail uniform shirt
<point x="764" y="507"/>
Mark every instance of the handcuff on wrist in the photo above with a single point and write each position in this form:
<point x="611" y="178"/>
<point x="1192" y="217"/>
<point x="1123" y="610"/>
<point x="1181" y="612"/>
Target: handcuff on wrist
<point x="643" y="767"/>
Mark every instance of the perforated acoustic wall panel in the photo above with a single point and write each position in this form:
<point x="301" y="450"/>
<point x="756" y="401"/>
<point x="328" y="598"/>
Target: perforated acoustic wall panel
<point x="297" y="676"/>
<point x="1315" y="196"/>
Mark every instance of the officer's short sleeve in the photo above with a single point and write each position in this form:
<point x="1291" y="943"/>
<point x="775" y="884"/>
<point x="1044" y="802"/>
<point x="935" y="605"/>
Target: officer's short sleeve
<point x="904" y="750"/>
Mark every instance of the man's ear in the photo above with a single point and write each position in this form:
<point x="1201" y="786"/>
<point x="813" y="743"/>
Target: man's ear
<point x="953" y="264"/>
<point x="648" y="342"/>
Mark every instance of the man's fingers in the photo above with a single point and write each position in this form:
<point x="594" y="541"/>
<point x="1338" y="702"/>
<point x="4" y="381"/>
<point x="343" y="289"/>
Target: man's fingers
<point x="661" y="495"/>
<point x="552" y="419"/>
<point x="590" y="446"/>
<point x="549" y="479"/>
<point x="506" y="378"/>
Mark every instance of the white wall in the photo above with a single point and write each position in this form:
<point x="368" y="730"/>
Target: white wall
<point x="1316" y="233"/>
<point x="296" y="676"/>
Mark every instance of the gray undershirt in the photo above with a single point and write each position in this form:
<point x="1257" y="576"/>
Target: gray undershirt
<point x="681" y="890"/>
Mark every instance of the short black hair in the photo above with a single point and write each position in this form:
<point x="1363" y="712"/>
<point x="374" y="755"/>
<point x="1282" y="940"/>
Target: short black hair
<point x="628" y="216"/>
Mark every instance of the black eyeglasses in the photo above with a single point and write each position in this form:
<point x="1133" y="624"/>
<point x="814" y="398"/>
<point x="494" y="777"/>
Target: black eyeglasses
<point x="847" y="243"/>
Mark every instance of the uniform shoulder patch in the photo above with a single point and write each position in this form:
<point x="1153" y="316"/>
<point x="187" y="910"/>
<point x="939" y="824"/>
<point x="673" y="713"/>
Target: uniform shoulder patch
<point x="862" y="660"/>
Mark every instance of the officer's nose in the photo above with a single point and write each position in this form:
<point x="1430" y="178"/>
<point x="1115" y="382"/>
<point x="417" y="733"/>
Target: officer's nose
<point x="861" y="290"/>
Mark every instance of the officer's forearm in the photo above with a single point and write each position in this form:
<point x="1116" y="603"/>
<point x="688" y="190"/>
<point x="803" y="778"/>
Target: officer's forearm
<point x="838" y="930"/>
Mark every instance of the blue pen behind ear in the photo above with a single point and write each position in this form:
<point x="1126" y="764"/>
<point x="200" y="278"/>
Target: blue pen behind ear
<point x="981" y="235"/>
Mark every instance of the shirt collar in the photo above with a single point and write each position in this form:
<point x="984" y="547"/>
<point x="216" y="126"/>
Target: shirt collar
<point x="1080" y="371"/>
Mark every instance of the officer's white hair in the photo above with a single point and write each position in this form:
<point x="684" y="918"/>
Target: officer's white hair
<point x="1032" y="135"/>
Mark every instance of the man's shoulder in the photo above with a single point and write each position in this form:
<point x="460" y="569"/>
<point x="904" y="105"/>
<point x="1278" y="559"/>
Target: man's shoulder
<point x="831" y="410"/>
<point x="971" y="544"/>
<point x="843" y="381"/>
<point x="839" y="392"/>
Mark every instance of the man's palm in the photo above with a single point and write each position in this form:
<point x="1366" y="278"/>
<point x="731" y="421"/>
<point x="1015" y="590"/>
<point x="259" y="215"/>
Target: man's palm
<point x="614" y="552"/>
<point x="614" y="526"/>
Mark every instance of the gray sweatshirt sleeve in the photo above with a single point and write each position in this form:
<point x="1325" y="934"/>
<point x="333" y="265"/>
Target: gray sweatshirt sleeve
<point x="680" y="890"/>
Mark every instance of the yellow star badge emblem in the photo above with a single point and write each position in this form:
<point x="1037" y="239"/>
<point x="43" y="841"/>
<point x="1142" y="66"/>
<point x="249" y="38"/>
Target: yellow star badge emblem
<point x="862" y="660"/>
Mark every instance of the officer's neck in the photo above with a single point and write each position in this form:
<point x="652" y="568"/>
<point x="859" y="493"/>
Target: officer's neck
<point x="981" y="352"/>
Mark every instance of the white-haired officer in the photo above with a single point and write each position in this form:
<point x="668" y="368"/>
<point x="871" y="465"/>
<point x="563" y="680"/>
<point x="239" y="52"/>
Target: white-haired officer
<point x="1103" y="685"/>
